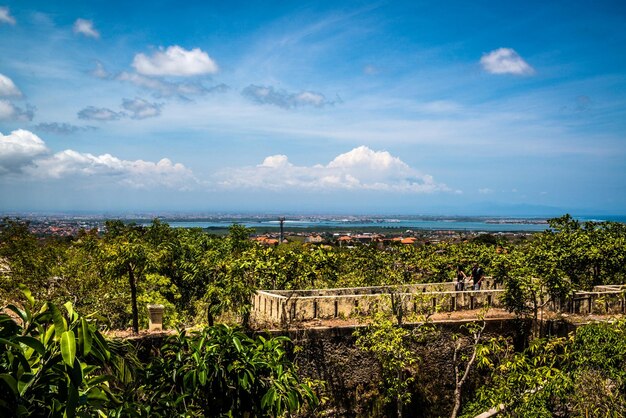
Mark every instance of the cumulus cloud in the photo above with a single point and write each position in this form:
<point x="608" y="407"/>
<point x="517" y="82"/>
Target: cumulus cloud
<point x="284" y="99"/>
<point x="85" y="27"/>
<point x="100" y="114"/>
<point x="18" y="149"/>
<point x="8" y="88"/>
<point x="9" y="111"/>
<point x="5" y="16"/>
<point x="162" y="88"/>
<point x="141" y="109"/>
<point x="23" y="152"/>
<point x="485" y="190"/>
<point x="62" y="128"/>
<point x="358" y="169"/>
<point x="175" y="61"/>
<point x="505" y="61"/>
<point x="137" y="174"/>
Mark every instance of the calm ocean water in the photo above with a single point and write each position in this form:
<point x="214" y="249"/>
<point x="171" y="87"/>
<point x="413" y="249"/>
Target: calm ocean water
<point x="455" y="224"/>
<point x="444" y="224"/>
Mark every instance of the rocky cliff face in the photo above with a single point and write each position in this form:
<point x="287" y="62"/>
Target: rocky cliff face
<point x="352" y="375"/>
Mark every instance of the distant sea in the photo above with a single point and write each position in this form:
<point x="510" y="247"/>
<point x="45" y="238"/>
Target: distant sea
<point x="403" y="223"/>
<point x="339" y="225"/>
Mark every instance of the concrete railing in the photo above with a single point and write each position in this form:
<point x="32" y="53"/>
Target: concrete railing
<point x="610" y="302"/>
<point x="287" y="306"/>
<point x="488" y="283"/>
<point x="283" y="306"/>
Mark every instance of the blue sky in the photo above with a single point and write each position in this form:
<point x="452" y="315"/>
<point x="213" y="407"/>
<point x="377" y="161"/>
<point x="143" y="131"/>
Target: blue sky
<point x="322" y="107"/>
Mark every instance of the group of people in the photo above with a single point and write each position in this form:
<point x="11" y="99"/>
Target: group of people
<point x="476" y="277"/>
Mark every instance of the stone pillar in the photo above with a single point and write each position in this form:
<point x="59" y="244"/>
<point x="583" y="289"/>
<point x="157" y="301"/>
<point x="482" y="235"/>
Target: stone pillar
<point x="155" y="317"/>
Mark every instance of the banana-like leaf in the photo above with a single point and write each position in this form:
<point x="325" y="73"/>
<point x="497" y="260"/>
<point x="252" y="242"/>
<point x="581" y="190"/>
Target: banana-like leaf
<point x="60" y="325"/>
<point x="24" y="383"/>
<point x="29" y="296"/>
<point x="19" y="312"/>
<point x="84" y="335"/>
<point x="33" y="343"/>
<point x="48" y="335"/>
<point x="68" y="347"/>
<point x="70" y="310"/>
<point x="7" y="342"/>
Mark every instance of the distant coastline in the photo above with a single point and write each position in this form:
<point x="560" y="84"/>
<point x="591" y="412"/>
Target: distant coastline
<point x="219" y="223"/>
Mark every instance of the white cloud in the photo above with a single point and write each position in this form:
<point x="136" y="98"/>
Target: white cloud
<point x="282" y="98"/>
<point x="100" y="114"/>
<point x="505" y="61"/>
<point x="137" y="174"/>
<point x="85" y="27"/>
<point x="175" y="61"/>
<point x="18" y="149"/>
<point x="8" y="88"/>
<point x="358" y="169"/>
<point x="275" y="161"/>
<point x="24" y="152"/>
<point x="5" y="16"/>
<point x="8" y="111"/>
<point x="485" y="190"/>
<point x="141" y="109"/>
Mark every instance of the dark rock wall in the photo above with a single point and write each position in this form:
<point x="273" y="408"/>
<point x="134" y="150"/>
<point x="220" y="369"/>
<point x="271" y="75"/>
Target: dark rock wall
<point x="352" y="376"/>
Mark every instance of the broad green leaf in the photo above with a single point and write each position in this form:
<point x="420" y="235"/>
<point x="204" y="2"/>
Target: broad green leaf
<point x="202" y="377"/>
<point x="70" y="310"/>
<point x="68" y="347"/>
<point x="24" y="383"/>
<point x="95" y="394"/>
<point x="19" y="312"/>
<point x="33" y="343"/>
<point x="48" y="335"/>
<point x="237" y="343"/>
<point x="84" y="335"/>
<point x="10" y="343"/>
<point x="60" y="325"/>
<point x="29" y="296"/>
<point x="72" y="401"/>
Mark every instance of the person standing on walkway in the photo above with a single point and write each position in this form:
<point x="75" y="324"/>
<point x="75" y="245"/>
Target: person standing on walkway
<point x="477" y="276"/>
<point x="460" y="279"/>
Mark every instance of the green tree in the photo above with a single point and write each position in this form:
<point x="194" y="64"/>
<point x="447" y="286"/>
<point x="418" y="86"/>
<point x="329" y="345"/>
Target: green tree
<point x="54" y="362"/>
<point x="127" y="254"/>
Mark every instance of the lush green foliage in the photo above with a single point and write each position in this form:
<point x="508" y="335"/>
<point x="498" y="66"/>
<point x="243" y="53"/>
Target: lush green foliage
<point x="220" y="371"/>
<point x="54" y="362"/>
<point x="391" y="345"/>
<point x="583" y="375"/>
